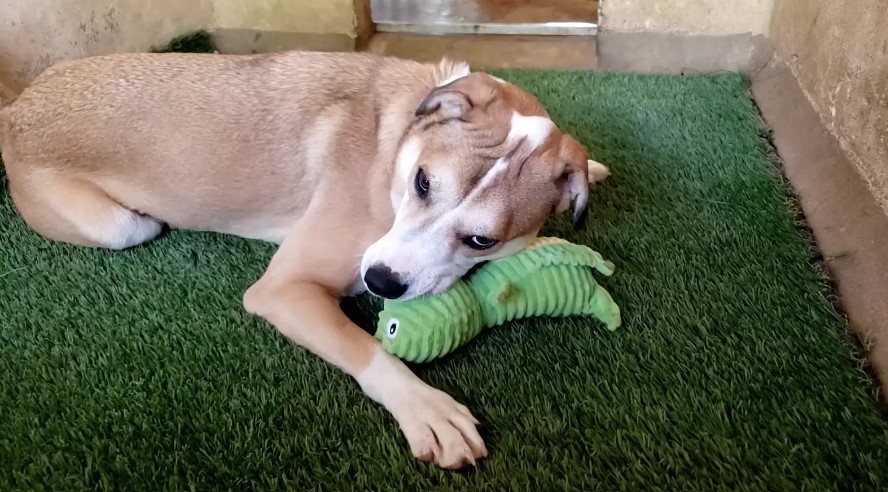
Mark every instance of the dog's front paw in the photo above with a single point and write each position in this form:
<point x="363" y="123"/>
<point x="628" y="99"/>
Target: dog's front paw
<point x="598" y="172"/>
<point x="439" y="428"/>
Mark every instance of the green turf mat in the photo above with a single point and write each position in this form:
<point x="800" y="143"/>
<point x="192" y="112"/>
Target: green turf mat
<point x="138" y="370"/>
<point x="200" y="41"/>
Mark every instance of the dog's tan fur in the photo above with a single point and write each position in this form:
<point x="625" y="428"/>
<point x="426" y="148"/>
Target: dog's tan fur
<point x="316" y="152"/>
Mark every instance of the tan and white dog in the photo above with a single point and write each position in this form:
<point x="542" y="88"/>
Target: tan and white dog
<point x="368" y="171"/>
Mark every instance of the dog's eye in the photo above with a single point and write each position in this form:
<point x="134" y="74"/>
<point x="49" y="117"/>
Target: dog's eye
<point x="479" y="242"/>
<point x="421" y="183"/>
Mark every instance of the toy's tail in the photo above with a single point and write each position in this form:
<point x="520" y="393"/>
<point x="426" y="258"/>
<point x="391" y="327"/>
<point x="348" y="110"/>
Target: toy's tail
<point x="604" y="308"/>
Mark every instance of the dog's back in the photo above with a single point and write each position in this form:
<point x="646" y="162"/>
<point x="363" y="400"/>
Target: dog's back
<point x="130" y="125"/>
<point x="7" y="96"/>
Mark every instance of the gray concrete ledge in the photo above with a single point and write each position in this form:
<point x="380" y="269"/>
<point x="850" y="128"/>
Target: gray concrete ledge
<point x="850" y="227"/>
<point x="677" y="53"/>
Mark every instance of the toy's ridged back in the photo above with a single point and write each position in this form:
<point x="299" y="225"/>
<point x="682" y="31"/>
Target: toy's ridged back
<point x="552" y="278"/>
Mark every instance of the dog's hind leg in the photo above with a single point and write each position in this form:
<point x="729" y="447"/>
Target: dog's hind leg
<point x="75" y="211"/>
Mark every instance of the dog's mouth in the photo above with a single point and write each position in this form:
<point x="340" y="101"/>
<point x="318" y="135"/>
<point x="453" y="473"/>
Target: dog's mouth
<point x="437" y="285"/>
<point x="382" y="277"/>
<point x="444" y="281"/>
<point x="474" y="269"/>
<point x="442" y="284"/>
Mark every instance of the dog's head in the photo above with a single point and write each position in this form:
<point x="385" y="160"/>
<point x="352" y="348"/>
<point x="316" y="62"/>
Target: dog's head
<point x="477" y="174"/>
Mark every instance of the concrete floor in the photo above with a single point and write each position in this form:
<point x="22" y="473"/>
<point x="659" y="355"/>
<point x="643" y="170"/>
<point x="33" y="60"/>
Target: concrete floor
<point x="850" y="228"/>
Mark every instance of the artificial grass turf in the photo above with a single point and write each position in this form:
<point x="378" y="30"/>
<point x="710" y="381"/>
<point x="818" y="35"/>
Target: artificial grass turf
<point x="138" y="370"/>
<point x="200" y="41"/>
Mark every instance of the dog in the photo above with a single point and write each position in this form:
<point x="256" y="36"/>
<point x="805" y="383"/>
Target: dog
<point x="369" y="172"/>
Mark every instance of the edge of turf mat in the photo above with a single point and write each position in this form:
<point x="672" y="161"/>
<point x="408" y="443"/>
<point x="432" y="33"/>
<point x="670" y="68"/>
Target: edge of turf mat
<point x="818" y="262"/>
<point x="139" y="370"/>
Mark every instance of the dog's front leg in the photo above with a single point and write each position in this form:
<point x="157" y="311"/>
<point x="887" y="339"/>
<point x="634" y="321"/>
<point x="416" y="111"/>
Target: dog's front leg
<point x="306" y="311"/>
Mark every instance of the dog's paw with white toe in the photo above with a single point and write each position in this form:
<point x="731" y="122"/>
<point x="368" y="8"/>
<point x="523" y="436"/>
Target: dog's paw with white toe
<point x="440" y="429"/>
<point x="598" y="172"/>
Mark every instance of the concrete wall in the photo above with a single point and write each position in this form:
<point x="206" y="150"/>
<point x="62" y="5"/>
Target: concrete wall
<point x="680" y="36"/>
<point x="243" y="26"/>
<point x="308" y="16"/>
<point x="37" y="33"/>
<point x="838" y="51"/>
<point x="710" y="17"/>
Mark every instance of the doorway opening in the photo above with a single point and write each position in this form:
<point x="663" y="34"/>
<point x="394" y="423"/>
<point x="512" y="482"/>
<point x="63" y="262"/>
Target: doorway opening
<point x="516" y="17"/>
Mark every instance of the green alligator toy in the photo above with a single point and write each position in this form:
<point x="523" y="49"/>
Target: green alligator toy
<point x="551" y="277"/>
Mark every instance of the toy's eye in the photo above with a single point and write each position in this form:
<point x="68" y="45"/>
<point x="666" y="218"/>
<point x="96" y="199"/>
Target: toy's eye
<point x="392" y="330"/>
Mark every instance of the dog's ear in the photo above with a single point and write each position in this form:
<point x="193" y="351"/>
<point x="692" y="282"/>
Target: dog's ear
<point x="572" y="176"/>
<point x="458" y="99"/>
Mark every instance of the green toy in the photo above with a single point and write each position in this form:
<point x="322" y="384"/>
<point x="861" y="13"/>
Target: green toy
<point x="552" y="277"/>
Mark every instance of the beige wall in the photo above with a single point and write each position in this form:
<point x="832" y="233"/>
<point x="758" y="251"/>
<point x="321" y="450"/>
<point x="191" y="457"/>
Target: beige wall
<point x="713" y="17"/>
<point x="243" y="26"/>
<point x="838" y="50"/>
<point x="307" y="16"/>
<point x="37" y="33"/>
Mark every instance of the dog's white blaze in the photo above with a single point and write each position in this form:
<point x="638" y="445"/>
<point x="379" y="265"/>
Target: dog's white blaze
<point x="533" y="128"/>
<point x="498" y="168"/>
<point x="407" y="158"/>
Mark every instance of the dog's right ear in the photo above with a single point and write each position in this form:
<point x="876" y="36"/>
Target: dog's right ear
<point x="457" y="99"/>
<point x="573" y="176"/>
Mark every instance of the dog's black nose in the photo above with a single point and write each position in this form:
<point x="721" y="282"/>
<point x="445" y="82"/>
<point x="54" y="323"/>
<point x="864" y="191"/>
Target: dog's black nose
<point x="383" y="282"/>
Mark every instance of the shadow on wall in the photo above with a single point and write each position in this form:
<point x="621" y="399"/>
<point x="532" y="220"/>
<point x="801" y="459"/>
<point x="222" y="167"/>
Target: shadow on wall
<point x="35" y="34"/>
